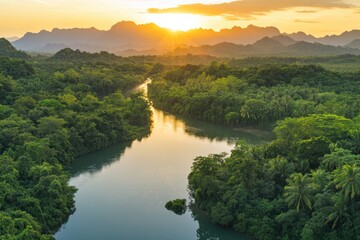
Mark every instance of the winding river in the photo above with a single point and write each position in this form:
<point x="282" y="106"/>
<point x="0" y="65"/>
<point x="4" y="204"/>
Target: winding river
<point x="122" y="190"/>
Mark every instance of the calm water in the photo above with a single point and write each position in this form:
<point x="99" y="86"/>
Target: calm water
<point x="123" y="189"/>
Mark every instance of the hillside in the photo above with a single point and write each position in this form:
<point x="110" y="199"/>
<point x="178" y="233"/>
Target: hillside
<point x="354" y="44"/>
<point x="7" y="50"/>
<point x="284" y="40"/>
<point x="68" y="54"/>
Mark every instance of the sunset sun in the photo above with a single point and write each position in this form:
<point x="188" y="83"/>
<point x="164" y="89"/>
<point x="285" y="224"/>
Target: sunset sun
<point x="176" y="22"/>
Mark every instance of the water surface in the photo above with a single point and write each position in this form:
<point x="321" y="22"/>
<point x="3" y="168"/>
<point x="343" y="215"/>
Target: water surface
<point x="123" y="189"/>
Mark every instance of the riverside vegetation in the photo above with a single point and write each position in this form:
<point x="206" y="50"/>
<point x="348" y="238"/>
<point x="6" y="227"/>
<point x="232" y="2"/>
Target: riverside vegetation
<point x="302" y="185"/>
<point x="52" y="111"/>
<point x="305" y="184"/>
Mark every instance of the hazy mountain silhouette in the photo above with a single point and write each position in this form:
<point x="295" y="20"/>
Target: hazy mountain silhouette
<point x="121" y="36"/>
<point x="315" y="49"/>
<point x="266" y="47"/>
<point x="354" y="44"/>
<point x="12" y="39"/>
<point x="334" y="40"/>
<point x="127" y="35"/>
<point x="342" y="39"/>
<point x="7" y="50"/>
<point x="284" y="40"/>
<point x="301" y="36"/>
<point x="267" y="43"/>
<point x="127" y="38"/>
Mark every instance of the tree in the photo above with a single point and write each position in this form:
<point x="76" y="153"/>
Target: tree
<point x="347" y="179"/>
<point x="280" y="168"/>
<point x="7" y="85"/>
<point x="298" y="192"/>
<point x="339" y="211"/>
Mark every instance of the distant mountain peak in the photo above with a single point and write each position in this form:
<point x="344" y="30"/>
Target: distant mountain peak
<point x="267" y="42"/>
<point x="5" y="45"/>
<point x="251" y="26"/>
<point x="284" y="40"/>
<point x="301" y="36"/>
<point x="123" y="25"/>
<point x="45" y="31"/>
<point x="354" y="44"/>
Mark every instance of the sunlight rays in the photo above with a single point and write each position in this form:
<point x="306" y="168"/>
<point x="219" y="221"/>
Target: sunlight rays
<point x="176" y="22"/>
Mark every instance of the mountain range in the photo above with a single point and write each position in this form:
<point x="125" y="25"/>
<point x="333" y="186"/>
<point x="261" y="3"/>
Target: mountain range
<point x="275" y="46"/>
<point x="128" y="35"/>
<point x="127" y="38"/>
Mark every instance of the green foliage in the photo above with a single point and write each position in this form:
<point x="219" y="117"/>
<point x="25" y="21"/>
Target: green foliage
<point x="258" y="94"/>
<point x="178" y="206"/>
<point x="7" y="50"/>
<point x="347" y="179"/>
<point x="298" y="192"/>
<point x="50" y="117"/>
<point x="302" y="185"/>
<point x="15" y="68"/>
<point x="76" y="55"/>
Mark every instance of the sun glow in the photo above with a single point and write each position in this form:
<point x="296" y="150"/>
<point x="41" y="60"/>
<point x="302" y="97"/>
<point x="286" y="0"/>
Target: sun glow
<point x="176" y="22"/>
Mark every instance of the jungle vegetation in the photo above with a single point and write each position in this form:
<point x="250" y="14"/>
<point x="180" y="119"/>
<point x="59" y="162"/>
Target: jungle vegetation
<point x="305" y="183"/>
<point x="302" y="185"/>
<point x="257" y="94"/>
<point x="53" y="110"/>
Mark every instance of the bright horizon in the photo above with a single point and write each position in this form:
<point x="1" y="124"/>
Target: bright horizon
<point x="319" y="18"/>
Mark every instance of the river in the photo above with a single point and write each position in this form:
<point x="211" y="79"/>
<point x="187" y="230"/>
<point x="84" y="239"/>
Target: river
<point x="122" y="190"/>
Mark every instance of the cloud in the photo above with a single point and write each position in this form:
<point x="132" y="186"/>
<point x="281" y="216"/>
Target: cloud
<point x="306" y="11"/>
<point x="248" y="9"/>
<point x="304" y="21"/>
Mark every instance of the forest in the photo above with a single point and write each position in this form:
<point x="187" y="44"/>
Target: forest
<point x="245" y="94"/>
<point x="53" y="110"/>
<point x="305" y="183"/>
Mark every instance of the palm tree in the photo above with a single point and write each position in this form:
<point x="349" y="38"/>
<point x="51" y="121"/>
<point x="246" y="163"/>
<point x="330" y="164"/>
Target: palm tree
<point x="338" y="213"/>
<point x="355" y="139"/>
<point x="281" y="169"/>
<point x="347" y="179"/>
<point x="298" y="192"/>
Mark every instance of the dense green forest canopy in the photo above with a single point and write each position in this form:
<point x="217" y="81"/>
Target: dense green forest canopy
<point x="15" y="68"/>
<point x="305" y="184"/>
<point x="340" y="63"/>
<point x="52" y="111"/>
<point x="302" y="185"/>
<point x="256" y="94"/>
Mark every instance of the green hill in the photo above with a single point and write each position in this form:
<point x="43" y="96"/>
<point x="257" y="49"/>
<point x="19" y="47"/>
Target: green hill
<point x="68" y="54"/>
<point x="354" y="44"/>
<point x="7" y="50"/>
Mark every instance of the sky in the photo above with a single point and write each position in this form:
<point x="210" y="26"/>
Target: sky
<point x="316" y="17"/>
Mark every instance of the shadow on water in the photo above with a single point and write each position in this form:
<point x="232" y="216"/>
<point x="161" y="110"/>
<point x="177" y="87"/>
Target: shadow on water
<point x="205" y="130"/>
<point x="209" y="231"/>
<point x="151" y="173"/>
<point x="94" y="162"/>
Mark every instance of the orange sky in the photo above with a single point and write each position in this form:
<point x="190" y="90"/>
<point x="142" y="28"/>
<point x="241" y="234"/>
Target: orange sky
<point x="317" y="17"/>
